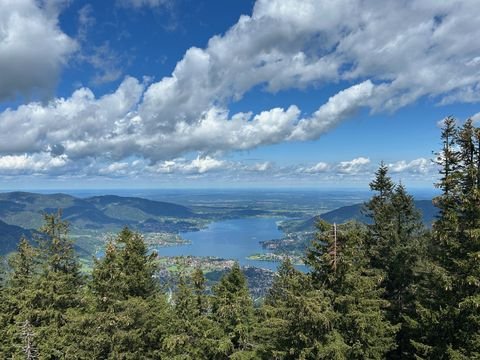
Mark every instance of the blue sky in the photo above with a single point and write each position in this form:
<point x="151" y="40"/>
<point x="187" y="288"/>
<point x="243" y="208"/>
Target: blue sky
<point x="240" y="93"/>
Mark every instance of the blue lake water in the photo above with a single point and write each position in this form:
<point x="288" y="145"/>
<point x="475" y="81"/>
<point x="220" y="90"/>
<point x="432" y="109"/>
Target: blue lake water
<point x="230" y="239"/>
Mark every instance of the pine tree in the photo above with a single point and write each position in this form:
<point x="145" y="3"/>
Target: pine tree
<point x="449" y="316"/>
<point x="297" y="320"/>
<point x="57" y="289"/>
<point x="126" y="316"/>
<point x="407" y="254"/>
<point x="465" y="268"/>
<point x="23" y="265"/>
<point x="232" y="309"/>
<point x="42" y="287"/>
<point x="396" y="245"/>
<point x="355" y="289"/>
<point x="192" y="333"/>
<point x="381" y="212"/>
<point x="18" y="296"/>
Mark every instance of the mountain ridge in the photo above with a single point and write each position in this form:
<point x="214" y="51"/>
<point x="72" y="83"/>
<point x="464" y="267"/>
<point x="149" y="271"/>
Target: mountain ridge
<point x="354" y="212"/>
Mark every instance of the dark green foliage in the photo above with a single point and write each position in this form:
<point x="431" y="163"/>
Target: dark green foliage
<point x="232" y="309"/>
<point x="397" y="248"/>
<point x="126" y="315"/>
<point x="125" y="271"/>
<point x="192" y="333"/>
<point x="340" y="265"/>
<point x="42" y="288"/>
<point x="450" y="317"/>
<point x="298" y="321"/>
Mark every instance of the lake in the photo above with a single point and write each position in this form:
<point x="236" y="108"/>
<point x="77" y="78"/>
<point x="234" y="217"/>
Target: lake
<point x="230" y="239"/>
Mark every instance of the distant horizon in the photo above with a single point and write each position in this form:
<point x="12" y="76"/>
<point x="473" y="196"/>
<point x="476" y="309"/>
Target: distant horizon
<point x="218" y="188"/>
<point x="170" y="193"/>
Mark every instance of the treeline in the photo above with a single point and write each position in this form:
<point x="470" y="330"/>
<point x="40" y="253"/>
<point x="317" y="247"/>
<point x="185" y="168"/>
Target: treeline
<point x="392" y="289"/>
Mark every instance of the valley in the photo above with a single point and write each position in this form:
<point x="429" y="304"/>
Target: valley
<point x="210" y="229"/>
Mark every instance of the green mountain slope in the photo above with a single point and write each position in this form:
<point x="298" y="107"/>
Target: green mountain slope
<point x="9" y="236"/>
<point x="354" y="212"/>
<point x="89" y="218"/>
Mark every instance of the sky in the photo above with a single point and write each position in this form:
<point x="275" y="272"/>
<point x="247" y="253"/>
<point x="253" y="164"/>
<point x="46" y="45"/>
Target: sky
<point x="238" y="93"/>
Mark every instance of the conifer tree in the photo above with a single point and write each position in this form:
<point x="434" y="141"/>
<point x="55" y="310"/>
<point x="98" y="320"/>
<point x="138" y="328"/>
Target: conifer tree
<point x="42" y="287"/>
<point x="355" y="290"/>
<point x="396" y="245"/>
<point x="57" y="288"/>
<point x="232" y="309"/>
<point x="126" y="316"/>
<point x="298" y="320"/>
<point x="407" y="256"/>
<point x="381" y="212"/>
<point x="18" y="295"/>
<point x="192" y="334"/>
<point x="449" y="318"/>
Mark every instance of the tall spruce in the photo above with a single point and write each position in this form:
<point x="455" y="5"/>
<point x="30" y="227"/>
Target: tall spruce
<point x="232" y="309"/>
<point x="192" y="333"/>
<point x="396" y="245"/>
<point x="43" y="287"/>
<point x="339" y="263"/>
<point x="19" y="294"/>
<point x="57" y="289"/>
<point x="298" y="320"/>
<point x="381" y="212"/>
<point x="125" y="316"/>
<point x="450" y="318"/>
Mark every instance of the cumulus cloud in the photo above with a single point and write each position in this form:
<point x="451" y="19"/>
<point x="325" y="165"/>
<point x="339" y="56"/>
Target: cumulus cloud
<point x="33" y="49"/>
<point x="384" y="55"/>
<point x="338" y="107"/>
<point x="319" y="167"/>
<point x="354" y="166"/>
<point x="115" y="168"/>
<point x="31" y="164"/>
<point x="417" y="166"/>
<point x="80" y="126"/>
<point x="199" y="165"/>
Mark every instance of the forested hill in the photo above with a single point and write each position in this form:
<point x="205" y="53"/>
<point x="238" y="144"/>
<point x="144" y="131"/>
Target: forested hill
<point x="20" y="212"/>
<point x="25" y="209"/>
<point x="10" y="235"/>
<point x="354" y="212"/>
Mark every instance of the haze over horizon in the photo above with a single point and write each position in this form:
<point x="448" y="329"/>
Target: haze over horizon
<point x="239" y="94"/>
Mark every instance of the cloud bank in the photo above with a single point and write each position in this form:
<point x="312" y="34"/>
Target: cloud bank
<point x="385" y="55"/>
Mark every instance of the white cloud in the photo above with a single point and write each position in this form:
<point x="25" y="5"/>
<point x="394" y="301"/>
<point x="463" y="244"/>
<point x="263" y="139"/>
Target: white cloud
<point x="354" y="166"/>
<point x="417" y="166"/>
<point x="320" y="167"/>
<point x="261" y="167"/>
<point x="81" y="125"/>
<point x="116" y="168"/>
<point x="340" y="106"/>
<point x="198" y="165"/>
<point x="33" y="49"/>
<point x="30" y="164"/>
